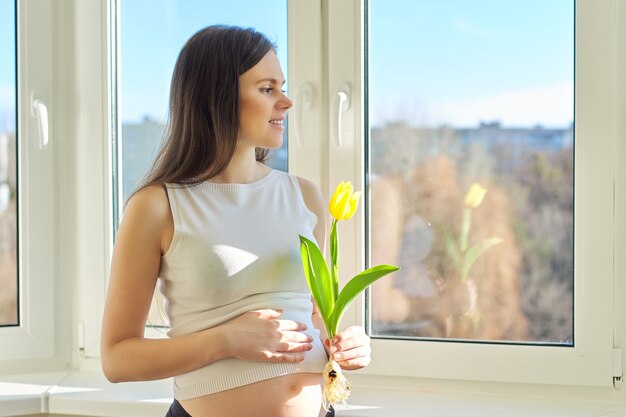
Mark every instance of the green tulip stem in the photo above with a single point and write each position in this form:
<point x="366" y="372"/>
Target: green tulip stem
<point x="334" y="260"/>
<point x="465" y="229"/>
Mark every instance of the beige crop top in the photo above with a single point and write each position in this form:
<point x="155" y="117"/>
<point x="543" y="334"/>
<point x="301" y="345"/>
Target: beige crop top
<point x="236" y="249"/>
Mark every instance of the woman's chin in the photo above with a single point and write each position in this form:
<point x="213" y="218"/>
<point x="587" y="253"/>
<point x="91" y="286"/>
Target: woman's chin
<point x="273" y="145"/>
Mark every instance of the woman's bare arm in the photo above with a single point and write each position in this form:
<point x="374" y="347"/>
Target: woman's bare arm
<point x="145" y="232"/>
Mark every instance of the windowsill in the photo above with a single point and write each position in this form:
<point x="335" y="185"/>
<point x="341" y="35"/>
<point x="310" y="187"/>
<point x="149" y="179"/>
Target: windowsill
<point x="85" y="393"/>
<point x="88" y="393"/>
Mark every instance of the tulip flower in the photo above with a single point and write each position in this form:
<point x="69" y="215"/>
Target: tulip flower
<point x="344" y="201"/>
<point x="324" y="285"/>
<point x="475" y="195"/>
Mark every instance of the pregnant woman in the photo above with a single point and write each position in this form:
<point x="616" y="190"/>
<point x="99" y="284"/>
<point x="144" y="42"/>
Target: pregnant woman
<point x="218" y="229"/>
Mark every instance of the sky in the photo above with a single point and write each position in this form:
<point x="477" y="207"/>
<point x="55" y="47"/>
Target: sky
<point x="7" y="65"/>
<point x="432" y="62"/>
<point x="460" y="61"/>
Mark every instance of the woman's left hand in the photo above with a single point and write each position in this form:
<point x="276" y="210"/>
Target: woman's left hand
<point x="350" y="348"/>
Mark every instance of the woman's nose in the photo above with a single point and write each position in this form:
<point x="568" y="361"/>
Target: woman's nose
<point x="285" y="103"/>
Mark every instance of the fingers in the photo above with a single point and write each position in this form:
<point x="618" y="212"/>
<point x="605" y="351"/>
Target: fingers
<point x="347" y="344"/>
<point x="351" y="354"/>
<point x="281" y="325"/>
<point x="290" y="325"/>
<point x="296" y="337"/>
<point x="351" y="348"/>
<point x="295" y="342"/>
<point x="354" y="364"/>
<point x="293" y="347"/>
<point x="288" y="333"/>
<point x="283" y="357"/>
<point x="271" y="339"/>
<point x="350" y="332"/>
<point x="268" y="313"/>
<point x="348" y="339"/>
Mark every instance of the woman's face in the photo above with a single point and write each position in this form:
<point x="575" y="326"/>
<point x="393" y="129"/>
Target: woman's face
<point x="262" y="104"/>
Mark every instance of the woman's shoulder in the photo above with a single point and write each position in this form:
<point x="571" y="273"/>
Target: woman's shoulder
<point x="147" y="221"/>
<point x="306" y="184"/>
<point x="150" y="203"/>
<point x="310" y="190"/>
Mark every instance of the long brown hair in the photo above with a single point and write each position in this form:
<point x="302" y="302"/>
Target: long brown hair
<point x="203" y="120"/>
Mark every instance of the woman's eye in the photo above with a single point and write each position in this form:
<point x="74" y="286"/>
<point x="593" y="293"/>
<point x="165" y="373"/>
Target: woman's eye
<point x="267" y="90"/>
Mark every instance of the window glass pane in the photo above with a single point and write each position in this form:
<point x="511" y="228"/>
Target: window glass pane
<point x="152" y="33"/>
<point x="8" y="152"/>
<point x="482" y="93"/>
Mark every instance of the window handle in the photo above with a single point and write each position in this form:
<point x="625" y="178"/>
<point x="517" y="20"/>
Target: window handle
<point x="343" y="98"/>
<point x="40" y="111"/>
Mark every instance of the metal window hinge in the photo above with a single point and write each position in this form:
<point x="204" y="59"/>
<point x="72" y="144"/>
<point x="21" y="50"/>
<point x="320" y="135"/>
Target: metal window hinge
<point x="80" y="335"/>
<point x="617" y="366"/>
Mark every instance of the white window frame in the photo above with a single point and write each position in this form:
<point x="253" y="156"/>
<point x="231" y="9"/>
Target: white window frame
<point x="64" y="227"/>
<point x="34" y="337"/>
<point x="619" y="307"/>
<point x="307" y="118"/>
<point x="327" y="58"/>
<point x="590" y="361"/>
<point x="94" y="184"/>
<point x="93" y="229"/>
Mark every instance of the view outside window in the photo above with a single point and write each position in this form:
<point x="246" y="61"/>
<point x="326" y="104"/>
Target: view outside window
<point x="471" y="145"/>
<point x="152" y="33"/>
<point x="8" y="185"/>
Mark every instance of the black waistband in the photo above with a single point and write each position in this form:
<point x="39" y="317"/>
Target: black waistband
<point x="177" y="410"/>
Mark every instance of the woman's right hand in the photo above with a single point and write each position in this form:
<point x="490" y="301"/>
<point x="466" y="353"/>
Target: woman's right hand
<point x="260" y="336"/>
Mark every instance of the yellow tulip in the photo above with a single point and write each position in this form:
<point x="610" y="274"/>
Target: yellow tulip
<point x="344" y="202"/>
<point x="475" y="195"/>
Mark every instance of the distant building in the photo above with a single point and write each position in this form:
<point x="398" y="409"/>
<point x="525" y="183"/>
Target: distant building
<point x="8" y="156"/>
<point x="8" y="229"/>
<point x="397" y="148"/>
<point x="140" y="143"/>
<point x="536" y="137"/>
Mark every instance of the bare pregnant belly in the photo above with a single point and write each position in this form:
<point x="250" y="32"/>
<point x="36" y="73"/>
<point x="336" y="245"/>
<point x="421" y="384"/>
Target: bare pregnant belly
<point x="295" y="395"/>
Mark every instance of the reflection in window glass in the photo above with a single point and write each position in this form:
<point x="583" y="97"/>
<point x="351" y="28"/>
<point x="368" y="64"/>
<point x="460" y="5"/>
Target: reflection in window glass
<point x="8" y="152"/>
<point x="471" y="169"/>
<point x="152" y="33"/>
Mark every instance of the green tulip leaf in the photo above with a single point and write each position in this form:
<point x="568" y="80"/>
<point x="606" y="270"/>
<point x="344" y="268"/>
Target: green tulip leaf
<point x="318" y="277"/>
<point x="475" y="251"/>
<point x="353" y="288"/>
